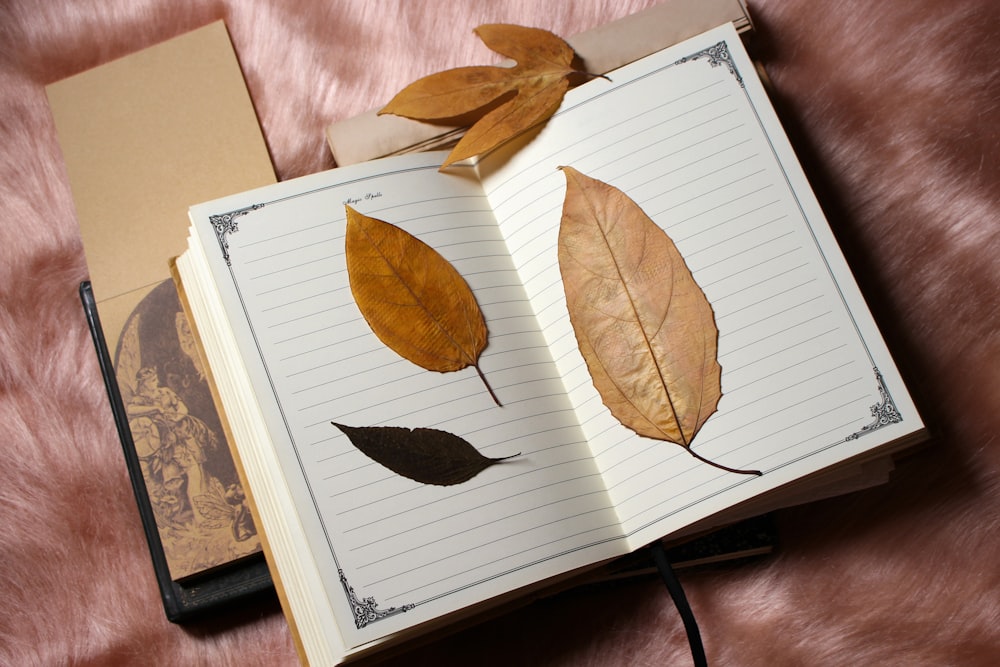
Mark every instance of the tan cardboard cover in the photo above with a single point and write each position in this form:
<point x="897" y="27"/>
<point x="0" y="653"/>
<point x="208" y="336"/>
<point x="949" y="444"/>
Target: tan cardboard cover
<point x="143" y="138"/>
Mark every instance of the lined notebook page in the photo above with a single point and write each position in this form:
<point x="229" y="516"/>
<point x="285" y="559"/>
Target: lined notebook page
<point x="403" y="543"/>
<point x="681" y="135"/>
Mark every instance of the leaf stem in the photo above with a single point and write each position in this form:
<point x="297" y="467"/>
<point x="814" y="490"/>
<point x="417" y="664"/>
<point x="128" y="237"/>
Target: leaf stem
<point x="488" y="387"/>
<point x="589" y="76"/>
<point x="722" y="467"/>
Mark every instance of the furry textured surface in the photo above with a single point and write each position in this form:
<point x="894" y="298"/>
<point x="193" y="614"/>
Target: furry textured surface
<point x="894" y="108"/>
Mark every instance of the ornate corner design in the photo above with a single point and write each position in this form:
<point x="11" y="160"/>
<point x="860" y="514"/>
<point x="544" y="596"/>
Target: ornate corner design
<point x="366" y="610"/>
<point x="226" y="224"/>
<point x="716" y="55"/>
<point x="884" y="412"/>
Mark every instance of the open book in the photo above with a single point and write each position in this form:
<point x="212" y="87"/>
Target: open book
<point x="366" y="557"/>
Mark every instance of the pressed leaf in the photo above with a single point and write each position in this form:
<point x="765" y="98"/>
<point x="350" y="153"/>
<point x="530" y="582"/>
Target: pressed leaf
<point x="425" y="455"/>
<point x="642" y="323"/>
<point x="413" y="298"/>
<point x="513" y="99"/>
<point x="534" y="103"/>
<point x="452" y="93"/>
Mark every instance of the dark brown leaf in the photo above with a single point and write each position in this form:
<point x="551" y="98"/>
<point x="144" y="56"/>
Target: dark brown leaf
<point x="425" y="455"/>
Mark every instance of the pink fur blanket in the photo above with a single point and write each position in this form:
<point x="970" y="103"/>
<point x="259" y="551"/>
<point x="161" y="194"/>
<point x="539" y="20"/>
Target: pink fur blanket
<point x="895" y="109"/>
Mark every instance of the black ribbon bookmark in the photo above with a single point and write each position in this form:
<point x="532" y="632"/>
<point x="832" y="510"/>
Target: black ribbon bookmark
<point x="681" y="602"/>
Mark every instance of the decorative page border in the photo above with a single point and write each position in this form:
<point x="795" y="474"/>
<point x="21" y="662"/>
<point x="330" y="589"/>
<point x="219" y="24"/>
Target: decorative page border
<point x="366" y="610"/>
<point x="716" y="55"/>
<point x="227" y="223"/>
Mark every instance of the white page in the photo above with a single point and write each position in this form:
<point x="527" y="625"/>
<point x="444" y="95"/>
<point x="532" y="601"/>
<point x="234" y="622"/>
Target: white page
<point x="706" y="159"/>
<point x="408" y="546"/>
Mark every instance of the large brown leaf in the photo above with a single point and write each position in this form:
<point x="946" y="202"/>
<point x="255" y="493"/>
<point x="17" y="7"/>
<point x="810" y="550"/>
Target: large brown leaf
<point x="425" y="455"/>
<point x="513" y="99"/>
<point x="413" y="298"/>
<point x="643" y="325"/>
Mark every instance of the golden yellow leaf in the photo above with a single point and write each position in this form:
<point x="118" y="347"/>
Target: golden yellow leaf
<point x="513" y="99"/>
<point x="413" y="298"/>
<point x="642" y="323"/>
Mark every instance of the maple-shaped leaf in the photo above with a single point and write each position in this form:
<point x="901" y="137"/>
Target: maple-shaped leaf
<point x="514" y="99"/>
<point x="425" y="455"/>
<point x="643" y="325"/>
<point x="413" y="298"/>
